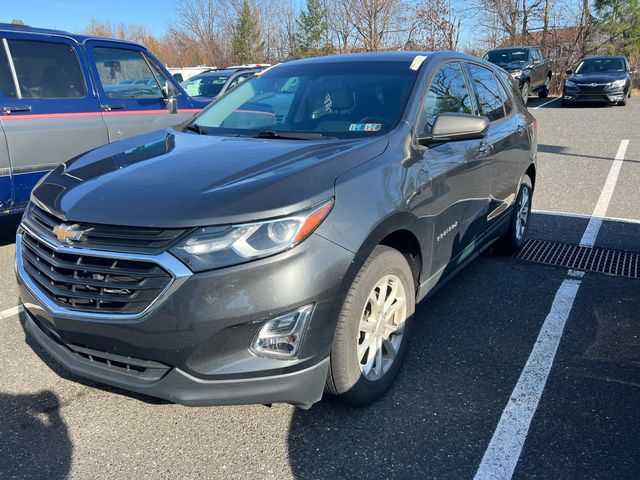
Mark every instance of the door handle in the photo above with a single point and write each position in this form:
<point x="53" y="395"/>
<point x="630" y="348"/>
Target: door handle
<point x="484" y="148"/>
<point x="10" y="110"/>
<point x="116" y="106"/>
<point x="520" y="129"/>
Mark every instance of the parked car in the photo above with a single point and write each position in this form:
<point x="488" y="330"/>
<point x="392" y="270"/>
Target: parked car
<point x="63" y="94"/>
<point x="606" y="79"/>
<point x="184" y="73"/>
<point x="527" y="66"/>
<point x="252" y="257"/>
<point x="213" y="83"/>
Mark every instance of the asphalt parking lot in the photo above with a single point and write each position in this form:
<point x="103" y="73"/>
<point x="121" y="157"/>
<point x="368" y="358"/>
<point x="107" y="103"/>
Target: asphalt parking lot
<point x="473" y="399"/>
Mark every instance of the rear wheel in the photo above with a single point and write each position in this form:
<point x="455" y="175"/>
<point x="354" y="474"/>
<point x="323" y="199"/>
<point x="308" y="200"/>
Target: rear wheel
<point x="544" y="92"/>
<point x="373" y="329"/>
<point x="513" y="240"/>
<point x="525" y="91"/>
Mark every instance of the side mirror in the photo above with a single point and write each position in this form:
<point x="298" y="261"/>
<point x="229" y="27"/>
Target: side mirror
<point x="169" y="100"/>
<point x="449" y="127"/>
<point x="569" y="72"/>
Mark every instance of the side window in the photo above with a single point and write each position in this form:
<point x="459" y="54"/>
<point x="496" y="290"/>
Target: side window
<point x="506" y="98"/>
<point x="239" y="79"/>
<point x="448" y="92"/>
<point x="162" y="78"/>
<point x="47" y="70"/>
<point x="7" y="85"/>
<point x="125" y="73"/>
<point x="489" y="101"/>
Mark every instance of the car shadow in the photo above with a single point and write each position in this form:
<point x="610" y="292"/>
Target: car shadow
<point x="34" y="439"/>
<point x="8" y="226"/>
<point x="564" y="150"/>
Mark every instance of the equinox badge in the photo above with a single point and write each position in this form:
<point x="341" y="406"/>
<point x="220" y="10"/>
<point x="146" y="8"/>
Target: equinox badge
<point x="70" y="233"/>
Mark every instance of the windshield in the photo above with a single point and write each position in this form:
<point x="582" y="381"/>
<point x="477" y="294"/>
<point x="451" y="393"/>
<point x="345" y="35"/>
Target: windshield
<point x="507" y="56"/>
<point x="600" y="65"/>
<point x="208" y="86"/>
<point x="341" y="99"/>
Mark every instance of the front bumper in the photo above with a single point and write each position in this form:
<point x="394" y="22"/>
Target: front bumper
<point x="194" y="346"/>
<point x="608" y="95"/>
<point x="303" y="387"/>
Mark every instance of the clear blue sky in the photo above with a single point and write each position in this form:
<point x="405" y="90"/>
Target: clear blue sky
<point x="74" y="15"/>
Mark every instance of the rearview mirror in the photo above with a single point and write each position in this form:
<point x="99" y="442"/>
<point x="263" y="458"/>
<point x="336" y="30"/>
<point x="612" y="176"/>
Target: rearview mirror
<point x="449" y="127"/>
<point x="569" y="72"/>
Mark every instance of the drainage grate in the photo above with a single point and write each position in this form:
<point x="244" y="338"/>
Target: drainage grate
<point x="578" y="257"/>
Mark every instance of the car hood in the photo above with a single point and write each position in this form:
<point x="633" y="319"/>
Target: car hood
<point x="596" y="77"/>
<point x="174" y="179"/>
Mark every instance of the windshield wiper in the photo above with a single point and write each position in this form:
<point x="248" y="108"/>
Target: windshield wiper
<point x="291" y="135"/>
<point x="196" y="128"/>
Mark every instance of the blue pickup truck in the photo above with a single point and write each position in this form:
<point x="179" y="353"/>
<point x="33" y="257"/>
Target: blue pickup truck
<point x="63" y="94"/>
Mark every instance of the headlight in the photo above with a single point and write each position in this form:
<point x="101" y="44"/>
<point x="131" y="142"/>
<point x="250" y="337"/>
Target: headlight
<point x="516" y="73"/>
<point x="569" y="83"/>
<point x="216" y="247"/>
<point x="619" y="83"/>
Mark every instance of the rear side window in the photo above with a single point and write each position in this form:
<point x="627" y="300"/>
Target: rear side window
<point x="7" y="86"/>
<point x="490" y="102"/>
<point x="47" y="70"/>
<point x="125" y="73"/>
<point x="448" y="93"/>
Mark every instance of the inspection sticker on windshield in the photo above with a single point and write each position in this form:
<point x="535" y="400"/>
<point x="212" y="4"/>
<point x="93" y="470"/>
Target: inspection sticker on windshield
<point x="415" y="65"/>
<point x="365" y="127"/>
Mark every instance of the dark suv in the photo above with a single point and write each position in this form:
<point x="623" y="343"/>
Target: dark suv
<point x="255" y="257"/>
<point x="527" y="66"/>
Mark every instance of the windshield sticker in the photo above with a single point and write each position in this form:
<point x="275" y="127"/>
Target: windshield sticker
<point x="415" y="65"/>
<point x="365" y="127"/>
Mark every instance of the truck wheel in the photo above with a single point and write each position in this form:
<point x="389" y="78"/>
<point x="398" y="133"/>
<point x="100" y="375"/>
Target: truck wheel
<point x="373" y="329"/>
<point x="544" y="92"/>
<point x="513" y="241"/>
<point x="525" y="91"/>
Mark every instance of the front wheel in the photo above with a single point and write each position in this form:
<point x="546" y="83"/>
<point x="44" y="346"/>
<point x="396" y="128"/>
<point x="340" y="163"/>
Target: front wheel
<point x="513" y="240"/>
<point x="373" y="329"/>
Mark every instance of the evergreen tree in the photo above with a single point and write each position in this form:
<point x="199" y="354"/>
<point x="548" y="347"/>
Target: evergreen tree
<point x="621" y="20"/>
<point x="312" y="38"/>
<point x="246" y="43"/>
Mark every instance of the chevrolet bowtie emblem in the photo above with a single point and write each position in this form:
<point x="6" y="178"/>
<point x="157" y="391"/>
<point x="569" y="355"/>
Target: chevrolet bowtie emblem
<point x="70" y="233"/>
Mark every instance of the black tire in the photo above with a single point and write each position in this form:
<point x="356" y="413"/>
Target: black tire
<point x="544" y="91"/>
<point x="525" y="91"/>
<point x="513" y="241"/>
<point x="346" y="378"/>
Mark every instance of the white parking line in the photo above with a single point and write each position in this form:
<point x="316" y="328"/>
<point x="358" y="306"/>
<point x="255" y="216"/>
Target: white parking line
<point x="10" y="312"/>
<point x="545" y="103"/>
<point x="501" y="457"/>
<point x="590" y="234"/>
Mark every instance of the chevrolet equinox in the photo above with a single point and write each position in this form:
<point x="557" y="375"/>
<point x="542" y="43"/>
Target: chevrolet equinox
<point x="274" y="247"/>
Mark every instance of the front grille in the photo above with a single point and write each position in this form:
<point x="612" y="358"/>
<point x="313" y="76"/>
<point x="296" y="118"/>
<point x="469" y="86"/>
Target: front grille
<point x="105" y="237"/>
<point x="88" y="283"/>
<point x="579" y="257"/>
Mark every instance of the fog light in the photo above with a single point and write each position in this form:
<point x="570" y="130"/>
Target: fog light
<point x="282" y="336"/>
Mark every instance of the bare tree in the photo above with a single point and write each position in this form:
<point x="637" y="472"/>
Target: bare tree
<point x="435" y="26"/>
<point x="373" y="21"/>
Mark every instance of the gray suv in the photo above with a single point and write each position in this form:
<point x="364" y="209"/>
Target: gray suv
<point x="276" y="246"/>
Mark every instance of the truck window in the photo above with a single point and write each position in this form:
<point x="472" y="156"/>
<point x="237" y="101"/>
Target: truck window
<point x="7" y="86"/>
<point x="47" y="69"/>
<point x="125" y="74"/>
<point x="489" y="100"/>
<point x="448" y="92"/>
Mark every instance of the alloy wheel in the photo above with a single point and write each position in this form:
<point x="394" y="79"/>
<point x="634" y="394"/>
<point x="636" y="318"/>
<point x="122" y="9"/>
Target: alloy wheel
<point x="523" y="213"/>
<point x="381" y="328"/>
